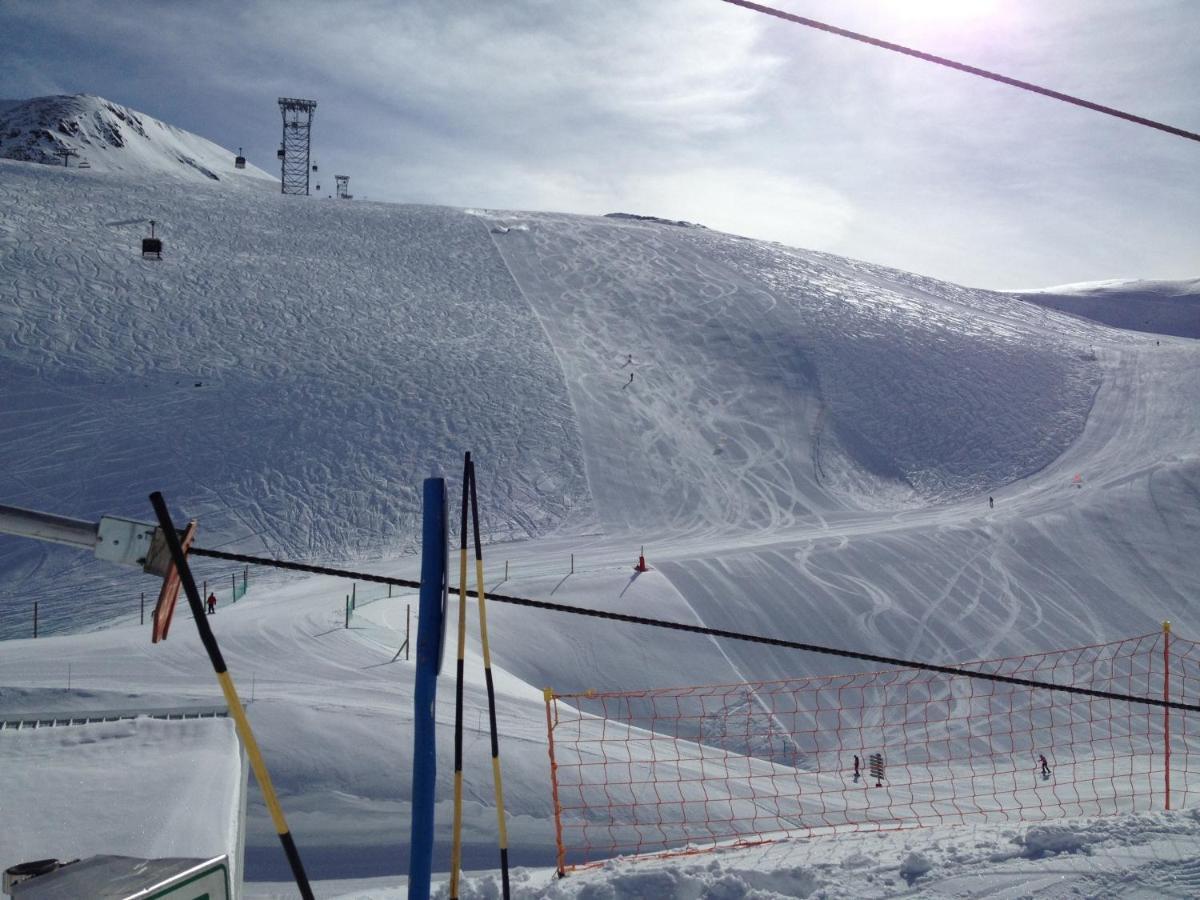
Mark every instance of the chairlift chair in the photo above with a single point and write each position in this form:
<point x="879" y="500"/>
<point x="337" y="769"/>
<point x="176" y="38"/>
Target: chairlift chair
<point x="239" y="162"/>
<point x="279" y="153"/>
<point x="152" y="246"/>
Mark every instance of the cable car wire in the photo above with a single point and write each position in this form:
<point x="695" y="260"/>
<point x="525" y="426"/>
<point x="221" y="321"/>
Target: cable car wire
<point x="963" y="67"/>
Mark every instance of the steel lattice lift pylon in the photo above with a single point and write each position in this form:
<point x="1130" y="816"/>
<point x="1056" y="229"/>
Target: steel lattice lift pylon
<point x="294" y="148"/>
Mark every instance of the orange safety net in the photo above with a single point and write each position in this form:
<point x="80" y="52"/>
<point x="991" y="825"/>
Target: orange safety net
<point x="685" y="769"/>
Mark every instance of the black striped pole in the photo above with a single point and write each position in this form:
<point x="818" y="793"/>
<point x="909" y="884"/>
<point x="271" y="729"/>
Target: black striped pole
<point x="209" y="640"/>
<point x="491" y="691"/>
<point x="456" y="847"/>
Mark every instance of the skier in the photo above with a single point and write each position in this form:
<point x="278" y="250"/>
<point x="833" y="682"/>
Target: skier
<point x="991" y="503"/>
<point x="212" y="604"/>
<point x="1045" y="766"/>
<point x="856" y="770"/>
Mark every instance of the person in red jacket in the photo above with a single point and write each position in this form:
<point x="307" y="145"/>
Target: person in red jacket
<point x="212" y="603"/>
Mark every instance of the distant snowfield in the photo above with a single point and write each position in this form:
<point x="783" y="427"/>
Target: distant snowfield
<point x="1157" y="307"/>
<point x="805" y="448"/>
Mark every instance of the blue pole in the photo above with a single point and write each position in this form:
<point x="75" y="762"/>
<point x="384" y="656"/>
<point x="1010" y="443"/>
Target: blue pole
<point x="429" y="648"/>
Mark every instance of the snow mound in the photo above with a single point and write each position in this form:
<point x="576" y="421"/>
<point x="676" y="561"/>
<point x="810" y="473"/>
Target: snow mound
<point x="108" y="137"/>
<point x="661" y="221"/>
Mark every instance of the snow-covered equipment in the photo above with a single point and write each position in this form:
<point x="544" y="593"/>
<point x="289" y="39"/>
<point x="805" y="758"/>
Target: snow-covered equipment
<point x="239" y="161"/>
<point x="152" y="246"/>
<point x="14" y="875"/>
<point x="124" y="878"/>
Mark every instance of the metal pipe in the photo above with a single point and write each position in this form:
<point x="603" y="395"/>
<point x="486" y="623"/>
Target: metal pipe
<point x="46" y="527"/>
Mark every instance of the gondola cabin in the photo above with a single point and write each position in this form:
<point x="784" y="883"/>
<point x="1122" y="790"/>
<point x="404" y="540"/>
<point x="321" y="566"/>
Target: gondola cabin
<point x="279" y="153"/>
<point x="152" y="246"/>
<point x="239" y="161"/>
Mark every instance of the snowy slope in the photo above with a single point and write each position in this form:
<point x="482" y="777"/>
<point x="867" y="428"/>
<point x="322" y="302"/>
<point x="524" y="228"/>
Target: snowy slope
<point x="108" y="137"/>
<point x="765" y="392"/>
<point x="1159" y="307"/>
<point x="805" y="449"/>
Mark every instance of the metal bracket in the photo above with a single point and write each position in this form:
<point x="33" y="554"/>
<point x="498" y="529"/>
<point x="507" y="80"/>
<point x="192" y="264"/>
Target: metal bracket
<point x="124" y="541"/>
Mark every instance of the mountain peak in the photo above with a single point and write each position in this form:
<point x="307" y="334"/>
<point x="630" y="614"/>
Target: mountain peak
<point x="108" y="137"/>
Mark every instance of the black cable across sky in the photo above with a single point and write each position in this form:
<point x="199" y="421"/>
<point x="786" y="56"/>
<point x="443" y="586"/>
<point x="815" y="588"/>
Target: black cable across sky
<point x="963" y="67"/>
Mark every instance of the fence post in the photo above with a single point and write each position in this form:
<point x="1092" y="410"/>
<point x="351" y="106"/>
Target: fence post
<point x="407" y="628"/>
<point x="233" y="587"/>
<point x="347" y="625"/>
<point x="245" y="579"/>
<point x="429" y="647"/>
<point x="1167" y="712"/>
<point x="354" y="595"/>
<point x="35" y="603"/>
<point x="560" y="859"/>
<point x="142" y="621"/>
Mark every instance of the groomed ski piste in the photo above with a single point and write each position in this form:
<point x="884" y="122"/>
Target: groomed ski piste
<point x="805" y="450"/>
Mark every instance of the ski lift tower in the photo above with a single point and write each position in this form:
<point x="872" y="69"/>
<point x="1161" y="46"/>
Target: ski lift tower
<point x="293" y="150"/>
<point x="343" y="187"/>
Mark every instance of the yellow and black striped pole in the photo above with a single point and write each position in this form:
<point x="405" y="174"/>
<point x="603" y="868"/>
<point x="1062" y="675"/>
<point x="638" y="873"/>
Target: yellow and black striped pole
<point x="456" y="845"/>
<point x="209" y="640"/>
<point x="491" y="691"/>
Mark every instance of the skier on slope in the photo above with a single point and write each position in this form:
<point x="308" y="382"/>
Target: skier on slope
<point x="212" y="604"/>
<point x="1045" y="765"/>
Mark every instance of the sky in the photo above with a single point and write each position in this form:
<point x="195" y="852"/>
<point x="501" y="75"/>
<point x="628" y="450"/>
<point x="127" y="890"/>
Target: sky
<point x="696" y="110"/>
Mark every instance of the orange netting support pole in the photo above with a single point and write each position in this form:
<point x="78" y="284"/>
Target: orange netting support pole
<point x="1167" y="713"/>
<point x="558" y="836"/>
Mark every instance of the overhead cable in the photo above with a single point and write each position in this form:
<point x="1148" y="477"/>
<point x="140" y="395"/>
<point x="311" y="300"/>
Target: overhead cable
<point x="963" y="67"/>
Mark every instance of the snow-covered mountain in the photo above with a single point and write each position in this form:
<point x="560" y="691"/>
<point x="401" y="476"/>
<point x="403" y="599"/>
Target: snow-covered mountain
<point x="108" y="137"/>
<point x="1156" y="307"/>
<point x="805" y="445"/>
